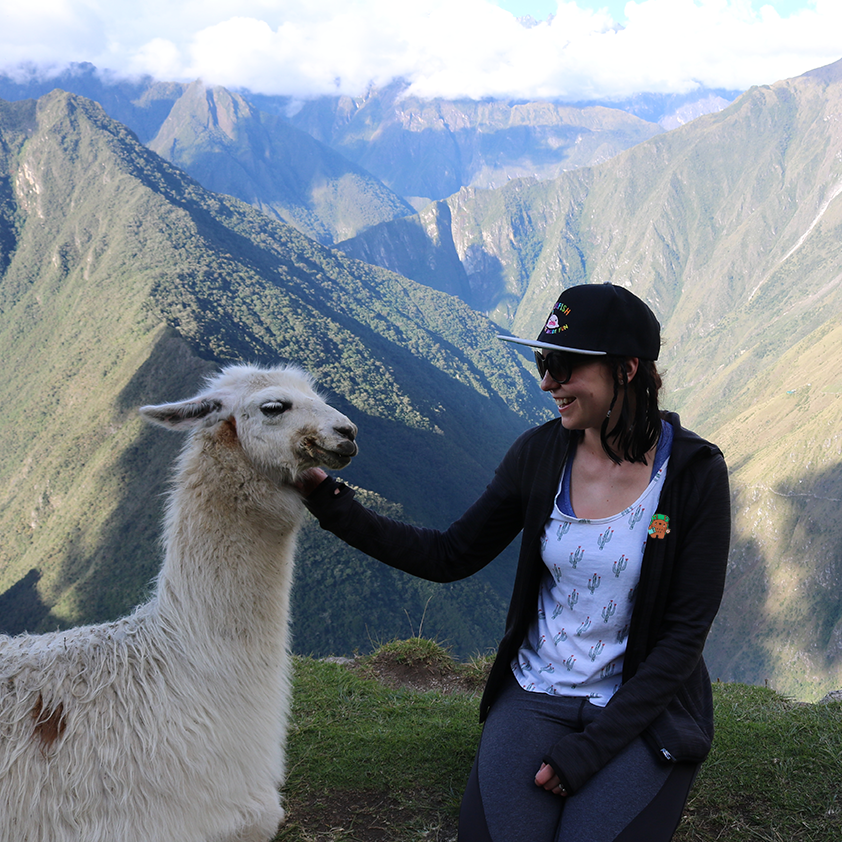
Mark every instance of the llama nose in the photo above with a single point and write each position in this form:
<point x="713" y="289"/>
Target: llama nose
<point x="349" y="431"/>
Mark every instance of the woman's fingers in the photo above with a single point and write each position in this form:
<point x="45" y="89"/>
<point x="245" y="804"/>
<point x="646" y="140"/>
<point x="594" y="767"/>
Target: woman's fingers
<point x="547" y="778"/>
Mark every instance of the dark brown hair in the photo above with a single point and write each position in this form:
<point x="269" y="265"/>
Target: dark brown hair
<point x="639" y="423"/>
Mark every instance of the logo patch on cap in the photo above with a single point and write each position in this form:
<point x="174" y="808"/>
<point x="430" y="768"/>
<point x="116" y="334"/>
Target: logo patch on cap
<point x="553" y="324"/>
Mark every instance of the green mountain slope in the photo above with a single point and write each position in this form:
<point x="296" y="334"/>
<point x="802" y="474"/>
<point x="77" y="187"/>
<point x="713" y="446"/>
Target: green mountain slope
<point x="486" y="245"/>
<point x="124" y="282"/>
<point x="731" y="227"/>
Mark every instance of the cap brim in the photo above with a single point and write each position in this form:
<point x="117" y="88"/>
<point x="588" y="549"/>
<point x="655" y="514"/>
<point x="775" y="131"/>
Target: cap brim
<point x="535" y="343"/>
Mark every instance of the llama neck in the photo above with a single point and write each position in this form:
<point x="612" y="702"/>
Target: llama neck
<point x="229" y="547"/>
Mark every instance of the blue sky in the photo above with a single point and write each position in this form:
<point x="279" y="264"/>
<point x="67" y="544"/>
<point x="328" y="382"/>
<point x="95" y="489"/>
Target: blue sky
<point x="589" y="49"/>
<point x="540" y="9"/>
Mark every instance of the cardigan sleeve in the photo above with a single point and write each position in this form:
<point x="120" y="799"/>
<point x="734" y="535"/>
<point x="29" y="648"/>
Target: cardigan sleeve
<point x="667" y="685"/>
<point x="466" y="546"/>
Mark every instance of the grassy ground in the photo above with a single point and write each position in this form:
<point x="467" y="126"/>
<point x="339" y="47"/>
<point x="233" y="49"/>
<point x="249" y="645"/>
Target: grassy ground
<point x="381" y="749"/>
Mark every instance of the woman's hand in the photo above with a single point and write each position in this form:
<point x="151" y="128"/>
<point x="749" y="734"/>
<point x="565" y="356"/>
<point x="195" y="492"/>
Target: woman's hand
<point x="548" y="779"/>
<point x="311" y="479"/>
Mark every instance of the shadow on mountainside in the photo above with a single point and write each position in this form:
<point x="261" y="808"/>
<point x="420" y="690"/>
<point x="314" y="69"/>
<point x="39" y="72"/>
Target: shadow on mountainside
<point x="106" y="578"/>
<point x="781" y="616"/>
<point x="21" y="606"/>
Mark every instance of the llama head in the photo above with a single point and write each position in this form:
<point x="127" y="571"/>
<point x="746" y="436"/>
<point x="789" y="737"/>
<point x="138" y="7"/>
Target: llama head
<point x="275" y="415"/>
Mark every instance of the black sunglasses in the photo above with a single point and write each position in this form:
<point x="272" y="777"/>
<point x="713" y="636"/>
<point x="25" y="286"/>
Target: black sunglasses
<point x="560" y="364"/>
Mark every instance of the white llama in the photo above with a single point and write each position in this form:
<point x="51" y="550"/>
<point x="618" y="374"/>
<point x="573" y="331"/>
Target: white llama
<point x="169" y="725"/>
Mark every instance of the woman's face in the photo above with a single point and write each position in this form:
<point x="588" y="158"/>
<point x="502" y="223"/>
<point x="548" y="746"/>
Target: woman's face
<point x="584" y="400"/>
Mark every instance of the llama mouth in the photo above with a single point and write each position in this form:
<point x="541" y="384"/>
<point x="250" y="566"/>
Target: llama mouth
<point x="335" y="460"/>
<point x="337" y="457"/>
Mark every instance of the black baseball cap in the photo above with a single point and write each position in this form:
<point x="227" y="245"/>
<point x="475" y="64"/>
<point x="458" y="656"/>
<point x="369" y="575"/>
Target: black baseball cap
<point x="599" y="319"/>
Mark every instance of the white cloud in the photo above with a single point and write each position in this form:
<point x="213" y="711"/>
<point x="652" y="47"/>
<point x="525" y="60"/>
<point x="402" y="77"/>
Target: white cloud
<point x="47" y="31"/>
<point x="444" y="47"/>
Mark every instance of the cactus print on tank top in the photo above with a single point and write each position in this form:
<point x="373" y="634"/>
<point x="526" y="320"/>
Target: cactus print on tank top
<point x="576" y="644"/>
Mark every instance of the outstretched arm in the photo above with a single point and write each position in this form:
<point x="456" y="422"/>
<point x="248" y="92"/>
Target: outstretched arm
<point x="470" y="543"/>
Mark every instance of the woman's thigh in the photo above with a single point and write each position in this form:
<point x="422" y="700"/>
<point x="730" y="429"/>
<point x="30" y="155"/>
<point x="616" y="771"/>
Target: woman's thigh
<point x="519" y="730"/>
<point x="634" y="798"/>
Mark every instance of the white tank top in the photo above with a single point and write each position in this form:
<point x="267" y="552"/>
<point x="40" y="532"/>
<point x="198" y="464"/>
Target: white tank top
<point x="576" y="644"/>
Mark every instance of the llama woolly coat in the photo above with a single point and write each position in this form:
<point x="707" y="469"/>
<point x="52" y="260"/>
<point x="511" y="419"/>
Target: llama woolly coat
<point x="169" y="725"/>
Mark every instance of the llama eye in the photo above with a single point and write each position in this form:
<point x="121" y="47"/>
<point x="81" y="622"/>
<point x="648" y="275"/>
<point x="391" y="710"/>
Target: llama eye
<point x="271" y="409"/>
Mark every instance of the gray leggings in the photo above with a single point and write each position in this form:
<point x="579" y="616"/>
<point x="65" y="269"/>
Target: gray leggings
<point x="635" y="797"/>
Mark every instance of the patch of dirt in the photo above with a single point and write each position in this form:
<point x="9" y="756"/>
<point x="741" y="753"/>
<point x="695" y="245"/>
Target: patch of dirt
<point x="359" y="816"/>
<point x="422" y="675"/>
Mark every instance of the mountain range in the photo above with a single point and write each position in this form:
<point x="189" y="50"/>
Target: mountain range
<point x="334" y="166"/>
<point x="124" y="281"/>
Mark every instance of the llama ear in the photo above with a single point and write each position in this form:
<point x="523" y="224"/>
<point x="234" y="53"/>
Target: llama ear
<point x="196" y="412"/>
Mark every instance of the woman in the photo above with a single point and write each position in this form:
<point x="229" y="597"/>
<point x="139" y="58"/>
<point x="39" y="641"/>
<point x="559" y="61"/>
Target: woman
<point x="598" y="708"/>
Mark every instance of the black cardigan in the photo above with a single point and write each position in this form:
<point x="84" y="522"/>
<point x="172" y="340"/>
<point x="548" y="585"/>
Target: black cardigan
<point x="666" y="692"/>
